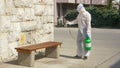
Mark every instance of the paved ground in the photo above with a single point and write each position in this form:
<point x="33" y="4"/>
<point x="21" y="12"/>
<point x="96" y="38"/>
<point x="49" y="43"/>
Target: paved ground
<point x="105" y="53"/>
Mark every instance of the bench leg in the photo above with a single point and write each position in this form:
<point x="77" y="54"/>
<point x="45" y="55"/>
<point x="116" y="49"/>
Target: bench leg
<point x="52" y="52"/>
<point x="26" y="59"/>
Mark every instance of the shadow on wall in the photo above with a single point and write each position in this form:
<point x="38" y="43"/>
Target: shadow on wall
<point x="116" y="65"/>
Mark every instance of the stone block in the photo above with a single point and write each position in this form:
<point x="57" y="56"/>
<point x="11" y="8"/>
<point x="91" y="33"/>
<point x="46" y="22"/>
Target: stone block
<point x="9" y="7"/>
<point x="38" y="36"/>
<point x="28" y="38"/>
<point x="44" y="19"/>
<point x="51" y="19"/>
<point x="23" y="3"/>
<point x="47" y="37"/>
<point x="48" y="27"/>
<point x="52" y="52"/>
<point x="48" y="19"/>
<point x="39" y="10"/>
<point x="29" y="14"/>
<point x="2" y="7"/>
<point x="26" y="59"/>
<point x="28" y="25"/>
<point x="9" y="11"/>
<point x="15" y="18"/>
<point x="5" y="23"/>
<point x="34" y="37"/>
<point x="9" y="4"/>
<point x="49" y="2"/>
<point x="3" y="46"/>
<point x="39" y="2"/>
<point x="15" y="27"/>
<point x="49" y="10"/>
<point x="41" y="19"/>
<point x="12" y="53"/>
<point x="39" y="25"/>
<point x="14" y="32"/>
<point x="13" y="37"/>
<point x="19" y="14"/>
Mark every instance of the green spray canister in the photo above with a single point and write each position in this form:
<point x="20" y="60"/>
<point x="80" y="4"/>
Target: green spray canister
<point x="88" y="45"/>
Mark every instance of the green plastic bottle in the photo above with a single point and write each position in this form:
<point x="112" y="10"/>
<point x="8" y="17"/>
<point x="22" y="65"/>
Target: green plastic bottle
<point x="88" y="45"/>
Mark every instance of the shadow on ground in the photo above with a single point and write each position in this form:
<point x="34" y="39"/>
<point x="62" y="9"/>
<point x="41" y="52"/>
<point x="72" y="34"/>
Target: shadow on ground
<point x="116" y="65"/>
<point x="14" y="62"/>
<point x="37" y="57"/>
<point x="70" y="57"/>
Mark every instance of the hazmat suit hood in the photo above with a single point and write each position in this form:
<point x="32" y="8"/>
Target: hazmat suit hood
<point x="80" y="8"/>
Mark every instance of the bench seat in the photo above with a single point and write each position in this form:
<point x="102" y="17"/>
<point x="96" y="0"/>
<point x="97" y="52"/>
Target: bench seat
<point x="26" y="54"/>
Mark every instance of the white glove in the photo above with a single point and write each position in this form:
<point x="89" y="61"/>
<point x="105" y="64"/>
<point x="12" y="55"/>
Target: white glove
<point x="70" y="23"/>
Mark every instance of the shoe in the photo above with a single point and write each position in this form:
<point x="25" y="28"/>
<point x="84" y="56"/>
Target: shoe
<point x="79" y="57"/>
<point x="85" y="57"/>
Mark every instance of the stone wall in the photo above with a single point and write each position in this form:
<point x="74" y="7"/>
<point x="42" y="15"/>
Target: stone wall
<point x="24" y="22"/>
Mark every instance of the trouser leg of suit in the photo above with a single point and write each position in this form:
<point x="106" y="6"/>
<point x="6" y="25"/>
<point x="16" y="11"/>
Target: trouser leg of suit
<point x="80" y="48"/>
<point x="80" y="44"/>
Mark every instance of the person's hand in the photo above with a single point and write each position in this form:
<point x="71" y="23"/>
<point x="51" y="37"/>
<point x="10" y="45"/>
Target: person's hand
<point x="68" y="22"/>
<point x="87" y="36"/>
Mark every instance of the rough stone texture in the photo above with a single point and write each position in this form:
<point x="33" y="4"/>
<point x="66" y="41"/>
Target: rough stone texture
<point x="3" y="46"/>
<point x="4" y="23"/>
<point x="29" y="14"/>
<point x="14" y="32"/>
<point x="2" y="7"/>
<point x="23" y="3"/>
<point x="49" y="2"/>
<point x="52" y="52"/>
<point x="28" y="26"/>
<point x="39" y="10"/>
<point x="24" y="22"/>
<point x="26" y="59"/>
<point x="39" y="1"/>
<point x="9" y="7"/>
<point x="11" y="50"/>
<point x="50" y="12"/>
<point x="19" y="14"/>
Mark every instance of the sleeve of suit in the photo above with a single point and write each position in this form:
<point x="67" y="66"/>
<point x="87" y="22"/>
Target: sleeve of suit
<point x="88" y="23"/>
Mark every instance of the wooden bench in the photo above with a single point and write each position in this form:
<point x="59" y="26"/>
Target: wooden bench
<point x="26" y="54"/>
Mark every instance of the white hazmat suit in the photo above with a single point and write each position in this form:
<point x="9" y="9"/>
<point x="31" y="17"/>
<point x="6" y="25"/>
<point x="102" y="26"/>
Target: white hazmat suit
<point x="84" y="28"/>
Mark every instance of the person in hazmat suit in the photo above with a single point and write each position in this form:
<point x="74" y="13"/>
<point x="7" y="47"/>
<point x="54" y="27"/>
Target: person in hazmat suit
<point x="84" y="29"/>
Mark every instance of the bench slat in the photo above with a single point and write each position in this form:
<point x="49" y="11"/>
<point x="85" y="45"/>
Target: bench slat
<point x="38" y="46"/>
